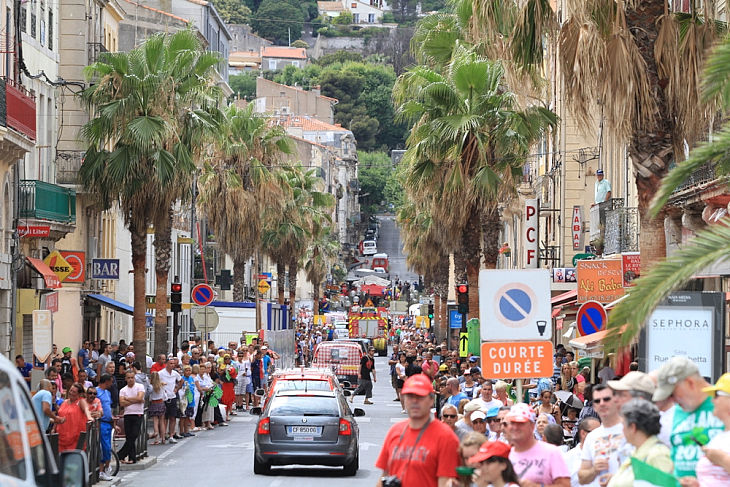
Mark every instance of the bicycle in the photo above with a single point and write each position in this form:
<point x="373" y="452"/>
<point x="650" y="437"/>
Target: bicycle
<point x="113" y="468"/>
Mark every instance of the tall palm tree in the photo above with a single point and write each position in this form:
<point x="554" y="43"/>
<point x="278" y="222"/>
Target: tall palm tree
<point x="138" y="144"/>
<point x="638" y="63"/>
<point x="239" y="177"/>
<point x="710" y="245"/>
<point x="469" y="135"/>
<point x="321" y="254"/>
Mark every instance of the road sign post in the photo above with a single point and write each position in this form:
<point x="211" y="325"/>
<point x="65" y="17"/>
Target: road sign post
<point x="202" y="295"/>
<point x="517" y="360"/>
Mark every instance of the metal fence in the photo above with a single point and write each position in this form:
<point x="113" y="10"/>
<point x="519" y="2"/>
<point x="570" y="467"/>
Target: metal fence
<point x="282" y="342"/>
<point x="622" y="231"/>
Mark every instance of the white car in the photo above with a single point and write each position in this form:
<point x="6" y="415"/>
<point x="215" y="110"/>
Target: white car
<point x="369" y="247"/>
<point x="380" y="270"/>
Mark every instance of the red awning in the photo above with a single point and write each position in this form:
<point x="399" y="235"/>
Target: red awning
<point x="49" y="277"/>
<point x="565" y="297"/>
<point x="373" y="289"/>
<point x="557" y="310"/>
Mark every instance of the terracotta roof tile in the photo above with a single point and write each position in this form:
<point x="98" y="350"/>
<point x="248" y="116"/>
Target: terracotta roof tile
<point x="284" y="52"/>
<point x="311" y="124"/>
<point x="330" y="6"/>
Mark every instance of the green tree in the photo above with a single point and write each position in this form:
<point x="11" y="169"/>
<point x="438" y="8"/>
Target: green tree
<point x="277" y="21"/>
<point x="300" y="43"/>
<point x="321" y="254"/>
<point x="339" y="57"/>
<point x="243" y="85"/>
<point x="345" y="18"/>
<point x="708" y="246"/>
<point x="304" y="78"/>
<point x="143" y="141"/>
<point x="404" y="11"/>
<point x="374" y="171"/>
<point x="233" y="11"/>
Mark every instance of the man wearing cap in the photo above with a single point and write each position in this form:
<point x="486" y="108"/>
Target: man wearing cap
<point x="603" y="188"/>
<point x="537" y="463"/>
<point x="68" y="364"/>
<point x="605" y="448"/>
<point x="464" y="426"/>
<point x="693" y="420"/>
<point x="634" y="384"/>
<point x="494" y="424"/>
<point x="419" y="451"/>
<point x="714" y="467"/>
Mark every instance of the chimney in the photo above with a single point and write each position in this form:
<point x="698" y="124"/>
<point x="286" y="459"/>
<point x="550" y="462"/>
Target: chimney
<point x="316" y="90"/>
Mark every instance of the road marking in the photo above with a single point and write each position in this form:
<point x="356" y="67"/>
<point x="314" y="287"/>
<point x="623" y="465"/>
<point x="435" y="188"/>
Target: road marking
<point x="362" y="420"/>
<point x="396" y="420"/>
<point x="241" y="420"/>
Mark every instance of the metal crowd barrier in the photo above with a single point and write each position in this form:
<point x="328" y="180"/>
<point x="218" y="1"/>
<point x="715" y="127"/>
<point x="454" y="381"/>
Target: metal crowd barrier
<point x="90" y="442"/>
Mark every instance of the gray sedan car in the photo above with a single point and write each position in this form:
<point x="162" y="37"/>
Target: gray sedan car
<point x="307" y="428"/>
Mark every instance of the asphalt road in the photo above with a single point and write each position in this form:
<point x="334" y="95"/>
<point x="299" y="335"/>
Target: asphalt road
<point x="389" y="242"/>
<point x="226" y="454"/>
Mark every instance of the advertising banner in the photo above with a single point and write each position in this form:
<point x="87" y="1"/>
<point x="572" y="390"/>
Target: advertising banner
<point x="600" y="280"/>
<point x="632" y="267"/>
<point x="42" y="334"/>
<point x="690" y="324"/>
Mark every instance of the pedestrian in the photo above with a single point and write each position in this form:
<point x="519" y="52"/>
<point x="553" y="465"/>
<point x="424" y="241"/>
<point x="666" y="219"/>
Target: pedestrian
<point x="486" y="397"/>
<point x="573" y="456"/>
<point x="24" y="368"/>
<point x="494" y="466"/>
<point x="76" y="414"/>
<point x="131" y="398"/>
<point x="160" y="364"/>
<point x="500" y="391"/>
<point x="546" y="406"/>
<point x="365" y="381"/>
<point x="400" y="378"/>
<point x="449" y="415"/>
<point x="69" y="364"/>
<point x="605" y="447"/>
<point x="105" y="424"/>
<point x="468" y="447"/>
<point x="541" y="422"/>
<point x="714" y="468"/>
<point x="693" y="420"/>
<point x="536" y="462"/>
<point x="634" y="384"/>
<point x="187" y="397"/>
<point x="641" y="426"/>
<point x="43" y="406"/>
<point x="171" y="382"/>
<point x="157" y="408"/>
<point x="464" y="426"/>
<point x="418" y="451"/>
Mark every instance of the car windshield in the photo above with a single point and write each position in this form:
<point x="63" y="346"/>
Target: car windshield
<point x="303" y="406"/>
<point x="302" y="385"/>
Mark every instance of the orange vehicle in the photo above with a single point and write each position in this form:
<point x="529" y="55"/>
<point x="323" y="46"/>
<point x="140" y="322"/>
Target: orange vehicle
<point x="302" y="379"/>
<point x="343" y="358"/>
<point x="370" y="323"/>
<point x="380" y="260"/>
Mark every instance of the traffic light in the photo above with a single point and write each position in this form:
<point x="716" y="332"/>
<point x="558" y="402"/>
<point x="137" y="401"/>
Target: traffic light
<point x="462" y="298"/>
<point x="430" y="312"/>
<point x="176" y="297"/>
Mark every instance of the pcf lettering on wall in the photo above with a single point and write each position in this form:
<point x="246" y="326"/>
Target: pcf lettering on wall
<point x="530" y="229"/>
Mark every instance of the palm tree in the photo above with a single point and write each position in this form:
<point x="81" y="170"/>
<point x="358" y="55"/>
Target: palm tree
<point x="709" y="246"/>
<point x="468" y="141"/>
<point x="321" y="254"/>
<point x="636" y="62"/>
<point x="138" y="145"/>
<point x="239" y="176"/>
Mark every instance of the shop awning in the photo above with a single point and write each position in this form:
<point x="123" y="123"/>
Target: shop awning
<point x="590" y="341"/>
<point x="49" y="277"/>
<point x="565" y="297"/>
<point x="114" y="304"/>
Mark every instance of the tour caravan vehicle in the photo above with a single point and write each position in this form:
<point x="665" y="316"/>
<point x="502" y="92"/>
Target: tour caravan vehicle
<point x="369" y="247"/>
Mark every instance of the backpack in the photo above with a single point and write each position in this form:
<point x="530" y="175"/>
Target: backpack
<point x="66" y="367"/>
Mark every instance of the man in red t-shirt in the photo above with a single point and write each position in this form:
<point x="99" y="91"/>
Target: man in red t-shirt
<point x="429" y="366"/>
<point x="160" y="364"/>
<point x="420" y="451"/>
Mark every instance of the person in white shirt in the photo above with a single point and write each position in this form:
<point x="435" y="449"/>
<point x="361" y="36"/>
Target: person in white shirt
<point x="486" y="398"/>
<point x="572" y="456"/>
<point x="172" y="382"/>
<point x="131" y="398"/>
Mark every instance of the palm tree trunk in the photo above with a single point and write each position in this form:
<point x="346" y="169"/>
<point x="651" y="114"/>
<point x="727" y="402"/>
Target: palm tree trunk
<point x="293" y="270"/>
<point x="437" y="325"/>
<point x="163" y="255"/>
<point x="491" y="227"/>
<point x="441" y="287"/>
<point x="470" y="247"/>
<point x="138" y="230"/>
<point x="315" y="293"/>
<point x="239" y="274"/>
<point x="651" y="150"/>
<point x="280" y="273"/>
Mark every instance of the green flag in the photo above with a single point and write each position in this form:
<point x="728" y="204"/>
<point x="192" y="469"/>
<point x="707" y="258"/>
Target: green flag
<point x="647" y="476"/>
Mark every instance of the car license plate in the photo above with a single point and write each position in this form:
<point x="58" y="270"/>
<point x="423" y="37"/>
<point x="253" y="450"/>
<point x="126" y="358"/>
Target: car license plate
<point x="305" y="431"/>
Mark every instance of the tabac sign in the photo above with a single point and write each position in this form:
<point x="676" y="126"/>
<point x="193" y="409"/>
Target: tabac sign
<point x="58" y="265"/>
<point x="576" y="227"/>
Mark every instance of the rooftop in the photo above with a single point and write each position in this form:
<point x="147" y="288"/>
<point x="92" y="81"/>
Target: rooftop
<point x="295" y="88"/>
<point x="168" y="14"/>
<point x="311" y="124"/>
<point x="330" y="7"/>
<point x="284" y="52"/>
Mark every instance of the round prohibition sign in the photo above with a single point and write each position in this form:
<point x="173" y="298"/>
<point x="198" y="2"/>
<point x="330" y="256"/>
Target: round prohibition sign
<point x="202" y="295"/>
<point x="515" y="304"/>
<point x="76" y="266"/>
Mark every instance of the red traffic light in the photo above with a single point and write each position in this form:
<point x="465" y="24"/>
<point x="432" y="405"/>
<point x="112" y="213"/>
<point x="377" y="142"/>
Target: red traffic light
<point x="462" y="288"/>
<point x="176" y="287"/>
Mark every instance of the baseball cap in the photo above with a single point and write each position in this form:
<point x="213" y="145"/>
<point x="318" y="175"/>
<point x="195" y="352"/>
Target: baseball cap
<point x="264" y="347"/>
<point x="722" y="384"/>
<point x="418" y="384"/>
<point x="467" y="372"/>
<point x="490" y="449"/>
<point x="520" y="413"/>
<point x="66" y="349"/>
<point x="129" y="354"/>
<point x="634" y="381"/>
<point x="493" y="412"/>
<point x="476" y="370"/>
<point x="473" y="359"/>
<point x="478" y="414"/>
<point x="474" y="405"/>
<point x="600" y="171"/>
<point x="443" y="367"/>
<point x="670" y="374"/>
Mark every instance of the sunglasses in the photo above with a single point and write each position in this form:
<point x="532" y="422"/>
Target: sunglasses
<point x="91" y="393"/>
<point x="448" y="415"/>
<point x="722" y="394"/>
<point x="477" y="421"/>
<point x="493" y="420"/>
<point x="600" y="400"/>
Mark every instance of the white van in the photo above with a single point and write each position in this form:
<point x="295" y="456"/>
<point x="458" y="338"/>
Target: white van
<point x="31" y="462"/>
<point x="369" y="247"/>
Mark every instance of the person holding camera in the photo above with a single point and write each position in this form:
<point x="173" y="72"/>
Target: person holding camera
<point x="419" y="451"/>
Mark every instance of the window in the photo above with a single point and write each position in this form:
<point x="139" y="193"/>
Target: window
<point x="50" y="29"/>
<point x="33" y="19"/>
<point x="11" y="435"/>
<point x="35" y="438"/>
<point x="303" y="406"/>
<point x="371" y="18"/>
<point x="23" y="17"/>
<point x="355" y="18"/>
<point x="272" y="64"/>
<point x="295" y="64"/>
<point x="353" y="5"/>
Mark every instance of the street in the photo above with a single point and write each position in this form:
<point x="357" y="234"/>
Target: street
<point x="215" y="457"/>
<point x="389" y="242"/>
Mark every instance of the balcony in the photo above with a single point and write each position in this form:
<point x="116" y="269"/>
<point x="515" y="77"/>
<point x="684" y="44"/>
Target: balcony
<point x="614" y="228"/>
<point x="45" y="201"/>
<point x="95" y="49"/>
<point x="19" y="108"/>
<point x="598" y="217"/>
<point x="68" y="164"/>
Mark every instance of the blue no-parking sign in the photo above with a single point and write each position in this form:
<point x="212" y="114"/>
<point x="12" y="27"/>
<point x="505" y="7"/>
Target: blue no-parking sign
<point x="515" y="305"/>
<point x="202" y="295"/>
<point x="591" y="318"/>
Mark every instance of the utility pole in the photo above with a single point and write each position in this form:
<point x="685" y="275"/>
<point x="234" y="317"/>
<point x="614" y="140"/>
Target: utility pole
<point x="289" y="36"/>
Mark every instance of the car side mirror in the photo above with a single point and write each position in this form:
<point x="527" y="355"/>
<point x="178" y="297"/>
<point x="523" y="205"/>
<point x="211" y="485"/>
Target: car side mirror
<point x="256" y="411"/>
<point x="358" y="412"/>
<point x="74" y="468"/>
<point x="346" y="393"/>
<point x="346" y="384"/>
<point x="260" y="392"/>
